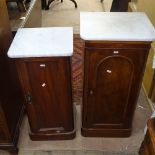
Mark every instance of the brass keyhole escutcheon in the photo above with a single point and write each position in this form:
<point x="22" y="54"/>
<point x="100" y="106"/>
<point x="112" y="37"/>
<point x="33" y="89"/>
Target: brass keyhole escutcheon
<point x="29" y="98"/>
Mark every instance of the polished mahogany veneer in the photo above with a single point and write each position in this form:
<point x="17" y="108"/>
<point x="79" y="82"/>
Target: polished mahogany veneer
<point x="148" y="144"/>
<point x="11" y="107"/>
<point x="113" y="74"/>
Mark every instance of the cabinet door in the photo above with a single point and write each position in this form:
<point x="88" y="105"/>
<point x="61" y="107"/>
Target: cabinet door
<point x="47" y="89"/>
<point x="112" y="83"/>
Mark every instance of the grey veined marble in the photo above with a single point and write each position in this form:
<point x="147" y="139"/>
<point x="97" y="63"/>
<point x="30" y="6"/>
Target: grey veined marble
<point x="116" y="26"/>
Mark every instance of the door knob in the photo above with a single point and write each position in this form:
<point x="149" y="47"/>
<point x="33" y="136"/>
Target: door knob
<point x="91" y="92"/>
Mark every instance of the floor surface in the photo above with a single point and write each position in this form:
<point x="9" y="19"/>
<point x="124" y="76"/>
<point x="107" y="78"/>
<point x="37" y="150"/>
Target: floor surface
<point x="92" y="146"/>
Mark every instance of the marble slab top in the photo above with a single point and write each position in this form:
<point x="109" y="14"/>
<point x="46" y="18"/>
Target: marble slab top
<point x="116" y="26"/>
<point x="42" y="42"/>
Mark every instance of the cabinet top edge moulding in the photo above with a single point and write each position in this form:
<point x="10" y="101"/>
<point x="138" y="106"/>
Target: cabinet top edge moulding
<point x="42" y="42"/>
<point x="116" y="26"/>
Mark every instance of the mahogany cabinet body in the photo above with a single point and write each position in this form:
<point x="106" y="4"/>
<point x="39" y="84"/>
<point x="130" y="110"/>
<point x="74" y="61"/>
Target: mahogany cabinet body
<point x="11" y="107"/>
<point x="46" y="84"/>
<point x="148" y="145"/>
<point x="113" y="74"/>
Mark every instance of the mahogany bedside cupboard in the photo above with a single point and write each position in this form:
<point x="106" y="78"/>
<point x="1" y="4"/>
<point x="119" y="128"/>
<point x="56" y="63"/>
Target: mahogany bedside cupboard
<point x="115" y="54"/>
<point x="11" y="101"/>
<point x="148" y="144"/>
<point x="42" y="56"/>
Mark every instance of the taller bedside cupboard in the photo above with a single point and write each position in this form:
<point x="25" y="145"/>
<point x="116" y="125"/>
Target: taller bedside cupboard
<point x="116" y="50"/>
<point x="42" y="56"/>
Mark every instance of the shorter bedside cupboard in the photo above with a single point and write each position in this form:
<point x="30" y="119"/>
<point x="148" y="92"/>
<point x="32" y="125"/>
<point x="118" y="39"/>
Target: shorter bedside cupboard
<point x="42" y="56"/>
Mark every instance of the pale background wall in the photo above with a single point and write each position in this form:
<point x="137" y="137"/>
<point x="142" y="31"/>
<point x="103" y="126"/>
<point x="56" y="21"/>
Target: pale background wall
<point x="147" y="6"/>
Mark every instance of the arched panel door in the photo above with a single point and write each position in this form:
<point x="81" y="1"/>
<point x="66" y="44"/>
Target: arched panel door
<point x="112" y="77"/>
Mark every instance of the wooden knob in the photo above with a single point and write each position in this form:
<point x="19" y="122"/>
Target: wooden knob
<point x="91" y="92"/>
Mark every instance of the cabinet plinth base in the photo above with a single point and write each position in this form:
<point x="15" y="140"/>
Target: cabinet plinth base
<point x="90" y="132"/>
<point x="52" y="136"/>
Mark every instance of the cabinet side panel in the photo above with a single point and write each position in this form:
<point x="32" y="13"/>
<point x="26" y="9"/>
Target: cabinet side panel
<point x="4" y="133"/>
<point x="10" y="98"/>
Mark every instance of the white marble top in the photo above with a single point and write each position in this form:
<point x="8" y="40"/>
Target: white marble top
<point x="116" y="26"/>
<point x="42" y="42"/>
